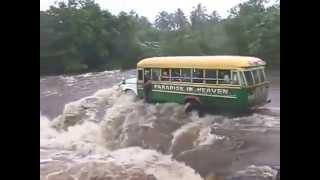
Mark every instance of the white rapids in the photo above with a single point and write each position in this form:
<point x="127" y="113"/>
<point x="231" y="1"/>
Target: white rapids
<point x="109" y="135"/>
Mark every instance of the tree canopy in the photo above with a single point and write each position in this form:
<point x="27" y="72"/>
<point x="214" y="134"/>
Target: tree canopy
<point x="78" y="36"/>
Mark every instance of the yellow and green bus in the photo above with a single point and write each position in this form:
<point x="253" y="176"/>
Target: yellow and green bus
<point x="232" y="83"/>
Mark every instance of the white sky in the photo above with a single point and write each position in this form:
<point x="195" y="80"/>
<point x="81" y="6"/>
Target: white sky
<point x="150" y="8"/>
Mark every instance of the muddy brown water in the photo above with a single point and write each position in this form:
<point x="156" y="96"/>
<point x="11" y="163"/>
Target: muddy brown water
<point x="91" y="131"/>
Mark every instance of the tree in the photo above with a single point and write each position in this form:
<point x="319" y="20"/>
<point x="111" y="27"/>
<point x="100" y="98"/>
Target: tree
<point x="180" y="21"/>
<point x="198" y="17"/>
<point x="214" y="18"/>
<point x="77" y="36"/>
<point x="164" y="21"/>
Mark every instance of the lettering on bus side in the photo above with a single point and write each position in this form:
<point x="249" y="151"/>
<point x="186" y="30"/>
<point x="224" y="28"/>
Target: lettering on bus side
<point x="194" y="90"/>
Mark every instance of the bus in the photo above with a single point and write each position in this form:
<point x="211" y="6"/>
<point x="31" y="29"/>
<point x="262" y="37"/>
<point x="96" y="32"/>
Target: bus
<point x="231" y="83"/>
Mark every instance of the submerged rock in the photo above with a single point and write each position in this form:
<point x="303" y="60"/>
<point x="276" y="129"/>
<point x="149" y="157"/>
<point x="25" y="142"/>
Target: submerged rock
<point x="207" y="159"/>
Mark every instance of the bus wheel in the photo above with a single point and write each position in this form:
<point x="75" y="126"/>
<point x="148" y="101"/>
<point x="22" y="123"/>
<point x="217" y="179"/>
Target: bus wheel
<point x="187" y="107"/>
<point x="130" y="93"/>
<point x="191" y="105"/>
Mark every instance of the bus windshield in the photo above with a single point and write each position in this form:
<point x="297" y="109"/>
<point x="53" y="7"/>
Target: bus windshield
<point x="254" y="76"/>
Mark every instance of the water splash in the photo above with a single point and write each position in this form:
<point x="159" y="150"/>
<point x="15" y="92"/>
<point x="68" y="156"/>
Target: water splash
<point x="86" y="108"/>
<point x="84" y="138"/>
<point x="119" y="164"/>
<point x="255" y="172"/>
<point x="127" y="122"/>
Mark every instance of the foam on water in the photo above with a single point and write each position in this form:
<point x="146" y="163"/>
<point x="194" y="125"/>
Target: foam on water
<point x="70" y="80"/>
<point x="123" y="112"/>
<point x="128" y="162"/>
<point x="128" y="122"/>
<point x="86" y="137"/>
<point x="85" y="75"/>
<point x="206" y="137"/>
<point x="111" y="72"/>
<point x="257" y="120"/>
<point x="200" y="128"/>
<point x="50" y="93"/>
<point x="85" y="109"/>
<point x="162" y="166"/>
<point x="90" y="137"/>
<point x="257" y="171"/>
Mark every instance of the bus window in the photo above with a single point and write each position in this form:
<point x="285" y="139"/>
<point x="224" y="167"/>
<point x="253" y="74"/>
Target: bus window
<point x="242" y="81"/>
<point x="175" y="74"/>
<point x="224" y="76"/>
<point x="197" y="76"/>
<point x="265" y="76"/>
<point x="186" y="75"/>
<point x="155" y="74"/>
<point x="248" y="77"/>
<point x="165" y="75"/>
<point x="211" y="76"/>
<point x="256" y="76"/>
<point x="140" y="74"/>
<point x="147" y="73"/>
<point x="235" y="78"/>
<point x="261" y="74"/>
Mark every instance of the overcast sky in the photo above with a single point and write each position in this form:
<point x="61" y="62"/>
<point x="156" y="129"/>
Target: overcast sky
<point x="150" y="8"/>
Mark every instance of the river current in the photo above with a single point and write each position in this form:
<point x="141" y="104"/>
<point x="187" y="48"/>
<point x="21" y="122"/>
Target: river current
<point x="90" y="130"/>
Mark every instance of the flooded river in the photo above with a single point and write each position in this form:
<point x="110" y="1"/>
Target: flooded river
<point x="90" y="130"/>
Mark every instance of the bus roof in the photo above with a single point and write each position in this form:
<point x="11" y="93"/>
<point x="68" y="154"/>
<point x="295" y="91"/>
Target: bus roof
<point x="201" y="62"/>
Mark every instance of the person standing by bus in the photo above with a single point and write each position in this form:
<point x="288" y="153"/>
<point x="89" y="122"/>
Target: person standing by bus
<point x="147" y="88"/>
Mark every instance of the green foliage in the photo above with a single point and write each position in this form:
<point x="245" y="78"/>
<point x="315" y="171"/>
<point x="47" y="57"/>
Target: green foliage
<point x="77" y="36"/>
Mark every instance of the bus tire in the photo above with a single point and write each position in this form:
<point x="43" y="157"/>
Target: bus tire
<point x="191" y="105"/>
<point x="187" y="107"/>
<point x="130" y="93"/>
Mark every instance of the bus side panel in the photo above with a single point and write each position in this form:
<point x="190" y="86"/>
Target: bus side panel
<point x="140" y="93"/>
<point x="167" y="97"/>
<point x="163" y="97"/>
<point x="240" y="102"/>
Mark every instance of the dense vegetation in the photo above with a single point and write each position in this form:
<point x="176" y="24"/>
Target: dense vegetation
<point x="78" y="36"/>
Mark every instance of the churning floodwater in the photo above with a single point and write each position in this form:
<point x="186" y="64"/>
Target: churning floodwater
<point x="90" y="130"/>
